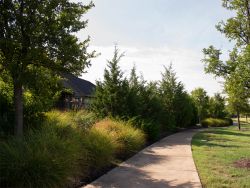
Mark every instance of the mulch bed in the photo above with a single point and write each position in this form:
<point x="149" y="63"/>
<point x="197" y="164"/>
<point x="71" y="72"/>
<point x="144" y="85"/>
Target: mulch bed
<point x="243" y="163"/>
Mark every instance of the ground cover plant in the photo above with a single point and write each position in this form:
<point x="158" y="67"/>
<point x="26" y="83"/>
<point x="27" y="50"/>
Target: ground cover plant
<point x="127" y="139"/>
<point x="221" y="156"/>
<point x="68" y="147"/>
<point x="216" y="122"/>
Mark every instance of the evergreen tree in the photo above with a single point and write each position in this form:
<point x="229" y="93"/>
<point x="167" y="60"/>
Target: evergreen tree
<point x="177" y="104"/>
<point x="111" y="94"/>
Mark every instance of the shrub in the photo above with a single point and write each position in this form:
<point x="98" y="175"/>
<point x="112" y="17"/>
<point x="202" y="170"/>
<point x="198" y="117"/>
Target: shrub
<point x="84" y="119"/>
<point x="127" y="138"/>
<point x="101" y="150"/>
<point x="60" y="150"/>
<point x="229" y="120"/>
<point x="214" y="122"/>
<point x="43" y="158"/>
<point x="150" y="128"/>
<point x="99" y="146"/>
<point x="59" y="118"/>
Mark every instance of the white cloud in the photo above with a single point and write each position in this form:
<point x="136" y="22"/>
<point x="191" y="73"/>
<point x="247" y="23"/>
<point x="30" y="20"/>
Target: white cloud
<point x="150" y="62"/>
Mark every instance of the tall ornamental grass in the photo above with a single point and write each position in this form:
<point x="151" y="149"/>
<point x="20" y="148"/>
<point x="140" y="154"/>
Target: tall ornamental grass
<point x="43" y="158"/>
<point x="68" y="147"/>
<point x="127" y="138"/>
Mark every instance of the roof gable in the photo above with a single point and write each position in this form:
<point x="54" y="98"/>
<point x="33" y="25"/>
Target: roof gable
<point x="79" y="86"/>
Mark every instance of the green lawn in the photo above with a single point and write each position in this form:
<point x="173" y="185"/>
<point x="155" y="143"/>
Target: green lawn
<point x="215" y="151"/>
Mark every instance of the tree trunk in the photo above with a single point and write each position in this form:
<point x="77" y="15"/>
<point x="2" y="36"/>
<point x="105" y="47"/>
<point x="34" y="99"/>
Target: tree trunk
<point x="18" y="102"/>
<point x="238" y="117"/>
<point x="200" y="120"/>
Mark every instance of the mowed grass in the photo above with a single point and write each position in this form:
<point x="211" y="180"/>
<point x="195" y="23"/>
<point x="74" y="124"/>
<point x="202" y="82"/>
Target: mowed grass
<point x="215" y="150"/>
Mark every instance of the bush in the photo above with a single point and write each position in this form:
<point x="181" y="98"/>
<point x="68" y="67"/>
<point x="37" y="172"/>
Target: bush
<point x="150" y="128"/>
<point x="229" y="120"/>
<point x="43" y="158"/>
<point x="54" y="154"/>
<point x="214" y="122"/>
<point x="84" y="119"/>
<point x="127" y="138"/>
<point x="60" y="151"/>
<point x="6" y="108"/>
<point x="59" y="118"/>
<point x="101" y="150"/>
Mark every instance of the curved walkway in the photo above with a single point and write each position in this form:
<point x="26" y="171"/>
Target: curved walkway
<point x="166" y="163"/>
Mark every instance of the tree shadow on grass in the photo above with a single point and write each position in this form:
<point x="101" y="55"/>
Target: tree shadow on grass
<point x="224" y="132"/>
<point x="209" y="144"/>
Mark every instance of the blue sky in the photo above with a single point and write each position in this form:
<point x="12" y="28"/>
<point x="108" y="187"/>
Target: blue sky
<point x="154" y="33"/>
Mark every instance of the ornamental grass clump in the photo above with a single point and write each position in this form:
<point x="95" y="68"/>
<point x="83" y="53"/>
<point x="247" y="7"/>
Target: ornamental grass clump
<point x="127" y="139"/>
<point x="43" y="158"/>
<point x="215" y="122"/>
<point x="101" y="150"/>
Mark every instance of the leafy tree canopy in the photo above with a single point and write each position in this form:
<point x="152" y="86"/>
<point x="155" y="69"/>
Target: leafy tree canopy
<point x="37" y="37"/>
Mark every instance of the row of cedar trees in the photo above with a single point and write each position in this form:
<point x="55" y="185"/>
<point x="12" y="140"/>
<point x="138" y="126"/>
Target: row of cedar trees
<point x="160" y="105"/>
<point x="157" y="106"/>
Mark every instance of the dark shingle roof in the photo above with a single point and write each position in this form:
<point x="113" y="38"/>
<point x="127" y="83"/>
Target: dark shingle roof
<point x="79" y="86"/>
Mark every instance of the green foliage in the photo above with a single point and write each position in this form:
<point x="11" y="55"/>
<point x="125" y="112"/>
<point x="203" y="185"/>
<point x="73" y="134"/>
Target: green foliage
<point x="215" y="122"/>
<point x="6" y="105"/>
<point x="212" y="61"/>
<point x="237" y="27"/>
<point x="127" y="139"/>
<point x="80" y="119"/>
<point x="111" y="95"/>
<point x="37" y="41"/>
<point x="200" y="99"/>
<point x="155" y="108"/>
<point x="44" y="158"/>
<point x="151" y="128"/>
<point x="99" y="146"/>
<point x="101" y="150"/>
<point x="65" y="148"/>
<point x="235" y="70"/>
<point x="36" y="100"/>
<point x="217" y="107"/>
<point x="177" y="103"/>
<point x="84" y="119"/>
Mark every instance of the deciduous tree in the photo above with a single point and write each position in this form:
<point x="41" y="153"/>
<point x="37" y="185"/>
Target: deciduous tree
<point x="37" y="35"/>
<point x="200" y="98"/>
<point x="235" y="70"/>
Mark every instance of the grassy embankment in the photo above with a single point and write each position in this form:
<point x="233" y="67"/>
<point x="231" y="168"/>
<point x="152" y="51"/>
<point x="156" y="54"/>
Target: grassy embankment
<point x="67" y="148"/>
<point x="216" y="152"/>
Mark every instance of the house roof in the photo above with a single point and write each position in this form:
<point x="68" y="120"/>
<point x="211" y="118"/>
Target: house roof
<point x="79" y="86"/>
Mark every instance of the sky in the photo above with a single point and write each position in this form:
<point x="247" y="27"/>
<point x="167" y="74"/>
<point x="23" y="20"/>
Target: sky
<point x="155" y="33"/>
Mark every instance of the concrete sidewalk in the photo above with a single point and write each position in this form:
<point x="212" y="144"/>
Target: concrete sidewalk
<point x="167" y="163"/>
